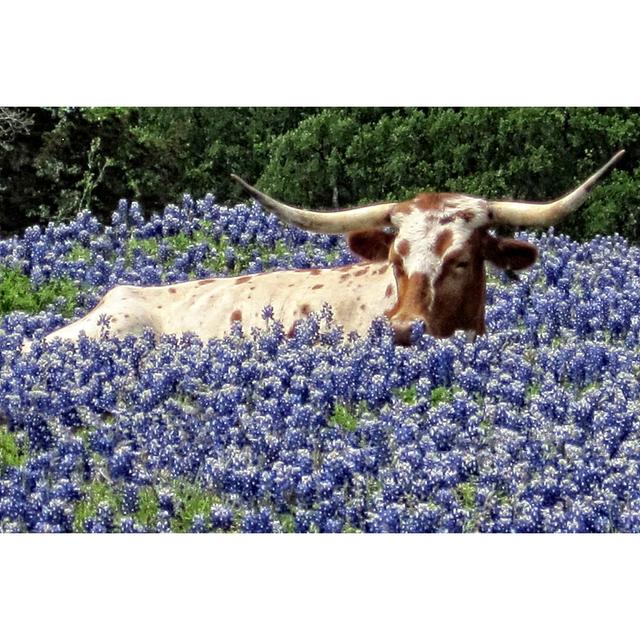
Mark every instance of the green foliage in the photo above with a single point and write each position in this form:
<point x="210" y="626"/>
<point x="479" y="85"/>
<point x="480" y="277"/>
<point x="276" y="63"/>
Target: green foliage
<point x="56" y="161"/>
<point x="347" y="416"/>
<point x="78" y="253"/>
<point x="18" y="294"/>
<point x="441" y="394"/>
<point x="467" y="492"/>
<point x="96" y="493"/>
<point x="287" y="522"/>
<point x="148" y="507"/>
<point x="11" y="453"/>
<point x="343" y="417"/>
<point x="191" y="501"/>
<point x="409" y="395"/>
<point x="318" y="146"/>
<point x="496" y="153"/>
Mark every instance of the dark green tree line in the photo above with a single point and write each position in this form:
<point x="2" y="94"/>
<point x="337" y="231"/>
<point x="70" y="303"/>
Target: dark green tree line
<point x="56" y="161"/>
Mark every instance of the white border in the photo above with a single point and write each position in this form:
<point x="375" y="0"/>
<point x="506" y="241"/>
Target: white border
<point x="331" y="53"/>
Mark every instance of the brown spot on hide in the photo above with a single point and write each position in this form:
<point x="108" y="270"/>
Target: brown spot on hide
<point x="236" y="315"/>
<point x="443" y="241"/>
<point x="292" y="284"/>
<point x="447" y="219"/>
<point x="388" y="292"/>
<point x="305" y="309"/>
<point x="315" y="272"/>
<point x="382" y="270"/>
<point x="243" y="279"/>
<point x="159" y="306"/>
<point x="344" y="277"/>
<point x="403" y="207"/>
<point x="207" y="281"/>
<point x="317" y="286"/>
<point x="363" y="307"/>
<point x="429" y="201"/>
<point x="467" y="215"/>
<point x="172" y="290"/>
<point x="361" y="272"/>
<point x="126" y="315"/>
<point x="403" y="247"/>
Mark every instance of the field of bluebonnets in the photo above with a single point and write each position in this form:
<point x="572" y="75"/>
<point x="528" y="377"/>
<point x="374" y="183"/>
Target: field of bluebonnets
<point x="534" y="427"/>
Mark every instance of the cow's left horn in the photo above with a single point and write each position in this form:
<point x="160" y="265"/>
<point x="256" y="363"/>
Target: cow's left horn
<point x="369" y="217"/>
<point x="550" y="213"/>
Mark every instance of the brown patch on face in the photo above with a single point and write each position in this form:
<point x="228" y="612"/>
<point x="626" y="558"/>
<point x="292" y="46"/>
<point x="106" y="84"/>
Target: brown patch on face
<point x="413" y="297"/>
<point x="403" y="207"/>
<point x="207" y="281"/>
<point x="236" y="315"/>
<point x="388" y="292"/>
<point x="429" y="201"/>
<point x="403" y="247"/>
<point x="467" y="215"/>
<point x="243" y="279"/>
<point x="443" y="242"/>
<point x="317" y="286"/>
<point x="459" y="303"/>
<point x="172" y="290"/>
<point x="305" y="309"/>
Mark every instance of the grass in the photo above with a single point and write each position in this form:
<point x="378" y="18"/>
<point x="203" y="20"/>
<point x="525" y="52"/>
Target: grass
<point x="442" y="394"/>
<point x="346" y="416"/>
<point x="11" y="455"/>
<point x="17" y="293"/>
<point x="148" y="507"/>
<point x="96" y="493"/>
<point x="191" y="501"/>
<point x="408" y="395"/>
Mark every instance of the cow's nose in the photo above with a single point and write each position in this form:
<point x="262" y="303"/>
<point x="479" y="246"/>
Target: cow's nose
<point x="406" y="330"/>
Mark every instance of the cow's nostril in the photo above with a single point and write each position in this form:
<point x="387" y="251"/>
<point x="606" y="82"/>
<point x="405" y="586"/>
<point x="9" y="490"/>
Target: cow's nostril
<point x="406" y="332"/>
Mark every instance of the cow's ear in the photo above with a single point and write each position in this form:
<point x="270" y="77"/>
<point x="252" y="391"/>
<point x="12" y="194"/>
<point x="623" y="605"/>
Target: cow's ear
<point x="372" y="244"/>
<point x="508" y="253"/>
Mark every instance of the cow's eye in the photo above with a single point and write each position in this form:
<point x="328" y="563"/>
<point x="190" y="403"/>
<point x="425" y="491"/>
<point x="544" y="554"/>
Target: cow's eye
<point x="462" y="264"/>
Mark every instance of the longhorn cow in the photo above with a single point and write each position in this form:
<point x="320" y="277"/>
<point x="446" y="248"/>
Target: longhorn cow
<point x="423" y="260"/>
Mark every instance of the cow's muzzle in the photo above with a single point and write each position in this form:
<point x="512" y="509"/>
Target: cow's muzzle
<point x="407" y="330"/>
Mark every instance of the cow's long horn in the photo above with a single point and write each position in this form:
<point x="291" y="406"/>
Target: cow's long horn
<point x="550" y="213"/>
<point x="369" y="217"/>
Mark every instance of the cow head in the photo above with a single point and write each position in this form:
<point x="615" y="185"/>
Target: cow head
<point x="437" y="244"/>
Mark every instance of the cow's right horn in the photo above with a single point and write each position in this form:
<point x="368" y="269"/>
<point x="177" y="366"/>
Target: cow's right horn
<point x="369" y="217"/>
<point x="550" y="213"/>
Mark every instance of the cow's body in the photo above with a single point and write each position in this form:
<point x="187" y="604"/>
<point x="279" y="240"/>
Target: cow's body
<point x="429" y="268"/>
<point x="357" y="293"/>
